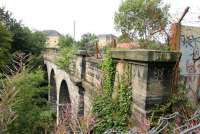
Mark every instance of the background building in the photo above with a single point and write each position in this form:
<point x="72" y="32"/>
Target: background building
<point x="53" y="38"/>
<point x="106" y="40"/>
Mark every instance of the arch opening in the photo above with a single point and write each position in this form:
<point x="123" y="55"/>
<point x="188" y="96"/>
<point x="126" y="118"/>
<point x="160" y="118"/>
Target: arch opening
<point x="44" y="68"/>
<point x="64" y="102"/>
<point x="53" y="94"/>
<point x="81" y="102"/>
<point x="64" y="93"/>
<point x="45" y="81"/>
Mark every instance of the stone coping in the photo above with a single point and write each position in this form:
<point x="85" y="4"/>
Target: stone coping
<point x="146" y="55"/>
<point x="81" y="52"/>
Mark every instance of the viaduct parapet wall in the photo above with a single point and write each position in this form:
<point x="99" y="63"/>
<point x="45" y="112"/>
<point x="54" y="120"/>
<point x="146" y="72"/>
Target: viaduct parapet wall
<point x="150" y="75"/>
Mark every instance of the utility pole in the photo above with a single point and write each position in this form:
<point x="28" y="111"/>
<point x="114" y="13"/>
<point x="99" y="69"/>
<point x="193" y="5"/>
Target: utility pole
<point x="74" y="24"/>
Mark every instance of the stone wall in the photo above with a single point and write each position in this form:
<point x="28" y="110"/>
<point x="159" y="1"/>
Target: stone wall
<point x="149" y="74"/>
<point x="93" y="73"/>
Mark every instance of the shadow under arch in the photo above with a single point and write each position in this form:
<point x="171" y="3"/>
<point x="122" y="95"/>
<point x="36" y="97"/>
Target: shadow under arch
<point x="64" y="97"/>
<point x="64" y="102"/>
<point x="53" y="93"/>
<point x="44" y="68"/>
<point x="44" y="82"/>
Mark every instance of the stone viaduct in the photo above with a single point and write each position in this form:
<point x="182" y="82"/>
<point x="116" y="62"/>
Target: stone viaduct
<point x="150" y="75"/>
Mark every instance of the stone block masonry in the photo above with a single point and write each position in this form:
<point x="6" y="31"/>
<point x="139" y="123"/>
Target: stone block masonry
<point x="150" y="75"/>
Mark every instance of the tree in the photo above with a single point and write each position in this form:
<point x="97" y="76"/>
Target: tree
<point x="5" y="45"/>
<point x="33" y="114"/>
<point x="7" y="20"/>
<point x="86" y="38"/>
<point x="27" y="41"/>
<point x="65" y="41"/>
<point x="23" y="38"/>
<point x="8" y="100"/>
<point x="140" y="18"/>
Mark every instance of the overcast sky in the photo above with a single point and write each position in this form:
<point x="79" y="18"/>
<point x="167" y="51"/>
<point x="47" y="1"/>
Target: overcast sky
<point x="95" y="16"/>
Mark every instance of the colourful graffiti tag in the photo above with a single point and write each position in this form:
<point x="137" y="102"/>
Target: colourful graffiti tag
<point x="190" y="60"/>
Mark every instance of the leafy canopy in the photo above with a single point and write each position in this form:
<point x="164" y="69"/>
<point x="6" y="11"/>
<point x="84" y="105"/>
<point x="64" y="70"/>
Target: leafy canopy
<point x="86" y="38"/>
<point x="5" y="45"/>
<point x="33" y="109"/>
<point x="65" y="41"/>
<point x="23" y="38"/>
<point x="140" y="18"/>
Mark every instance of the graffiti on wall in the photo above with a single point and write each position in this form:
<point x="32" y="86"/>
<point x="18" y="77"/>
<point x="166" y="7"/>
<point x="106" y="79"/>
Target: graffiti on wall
<point x="190" y="60"/>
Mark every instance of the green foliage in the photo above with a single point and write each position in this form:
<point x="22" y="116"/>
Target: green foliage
<point x="32" y="103"/>
<point x="87" y="38"/>
<point x="140" y="18"/>
<point x="149" y="44"/>
<point x="35" y="61"/>
<point x="67" y="52"/>
<point x="23" y="38"/>
<point x="66" y="41"/>
<point x="6" y="18"/>
<point x="65" y="57"/>
<point x="27" y="41"/>
<point x="32" y="111"/>
<point x="8" y="100"/>
<point x="124" y="38"/>
<point x="176" y="103"/>
<point x="108" y="68"/>
<point x="5" y="45"/>
<point x="112" y="113"/>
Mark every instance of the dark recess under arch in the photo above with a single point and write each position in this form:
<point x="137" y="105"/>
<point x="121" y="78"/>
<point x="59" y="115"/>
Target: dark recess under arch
<point x="53" y="94"/>
<point x="64" y="97"/>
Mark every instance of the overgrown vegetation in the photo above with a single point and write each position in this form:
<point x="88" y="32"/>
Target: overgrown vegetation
<point x="23" y="99"/>
<point x="69" y="47"/>
<point x="178" y="102"/>
<point x="108" y="68"/>
<point x="32" y="115"/>
<point x="5" y="45"/>
<point x="8" y="101"/>
<point x="111" y="113"/>
<point x="16" y="37"/>
<point x="149" y="44"/>
<point x="23" y="89"/>
<point x="66" y="56"/>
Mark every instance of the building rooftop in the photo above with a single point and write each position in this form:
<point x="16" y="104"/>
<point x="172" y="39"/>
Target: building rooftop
<point x="106" y="35"/>
<point x="52" y="33"/>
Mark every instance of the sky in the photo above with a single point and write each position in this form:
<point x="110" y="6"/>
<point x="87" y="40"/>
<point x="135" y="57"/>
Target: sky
<point x="94" y="16"/>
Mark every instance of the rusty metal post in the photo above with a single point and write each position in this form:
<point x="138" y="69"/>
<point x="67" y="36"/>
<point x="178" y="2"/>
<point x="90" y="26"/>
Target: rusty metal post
<point x="175" y="46"/>
<point x="97" y="50"/>
<point x="175" y="37"/>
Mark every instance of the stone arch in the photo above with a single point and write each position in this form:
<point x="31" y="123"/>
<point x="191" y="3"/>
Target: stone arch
<point x="53" y="91"/>
<point x="64" y="97"/>
<point x="64" y="104"/>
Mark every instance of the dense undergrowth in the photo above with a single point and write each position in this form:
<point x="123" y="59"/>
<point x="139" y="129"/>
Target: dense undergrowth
<point x="112" y="113"/>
